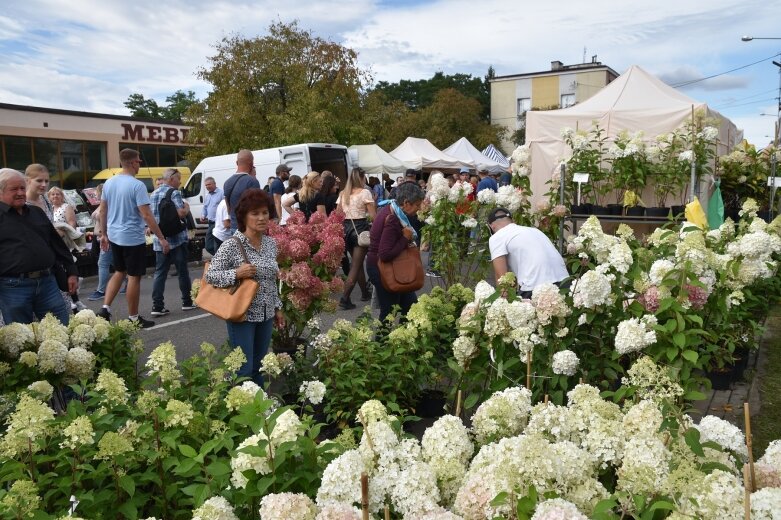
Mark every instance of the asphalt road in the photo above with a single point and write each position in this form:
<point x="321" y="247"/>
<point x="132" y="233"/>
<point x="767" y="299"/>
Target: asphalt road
<point x="188" y="329"/>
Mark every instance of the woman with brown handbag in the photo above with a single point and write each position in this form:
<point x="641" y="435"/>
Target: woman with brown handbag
<point x="391" y="233"/>
<point x="228" y="266"/>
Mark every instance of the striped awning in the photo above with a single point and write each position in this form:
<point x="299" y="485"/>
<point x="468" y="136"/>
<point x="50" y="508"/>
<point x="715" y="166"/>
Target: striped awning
<point x="492" y="152"/>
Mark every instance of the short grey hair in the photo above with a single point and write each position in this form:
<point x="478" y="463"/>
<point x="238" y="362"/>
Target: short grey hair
<point x="6" y="174"/>
<point x="170" y="172"/>
<point x="409" y="192"/>
<point x="207" y="179"/>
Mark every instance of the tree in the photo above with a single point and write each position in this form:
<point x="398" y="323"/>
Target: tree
<point x="177" y="105"/>
<point x="420" y="94"/>
<point x="287" y="87"/>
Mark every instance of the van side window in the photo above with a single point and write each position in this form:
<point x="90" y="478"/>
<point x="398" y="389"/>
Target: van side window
<point x="193" y="186"/>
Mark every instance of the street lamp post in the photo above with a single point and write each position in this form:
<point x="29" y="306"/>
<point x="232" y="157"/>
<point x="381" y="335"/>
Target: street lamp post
<point x="777" y="128"/>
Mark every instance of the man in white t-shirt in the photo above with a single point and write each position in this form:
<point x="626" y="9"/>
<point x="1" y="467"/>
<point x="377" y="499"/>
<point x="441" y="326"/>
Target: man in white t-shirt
<point x="525" y="251"/>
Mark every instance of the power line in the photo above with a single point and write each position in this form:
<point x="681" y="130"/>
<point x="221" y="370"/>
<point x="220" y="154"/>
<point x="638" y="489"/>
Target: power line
<point x="749" y="103"/>
<point x="746" y="98"/>
<point x="686" y="83"/>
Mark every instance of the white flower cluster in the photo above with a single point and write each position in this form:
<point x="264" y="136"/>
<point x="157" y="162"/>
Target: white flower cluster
<point x="718" y="495"/>
<point x="162" y="364"/>
<point x="549" y="303"/>
<point x="287" y="506"/>
<point x="508" y="197"/>
<point x="634" y="334"/>
<point x="483" y="290"/>
<point x="504" y="414"/>
<point x="487" y="197"/>
<point x="652" y="381"/>
<point x="447" y="449"/>
<point x="521" y="161"/>
<point x="42" y="390"/>
<point x="592" y="290"/>
<point x="83" y="335"/>
<point x="215" y="508"/>
<point x="14" y="338"/>
<point x="766" y="504"/>
<point x="459" y="191"/>
<point x="312" y="391"/>
<point x="723" y="433"/>
<point x="565" y="363"/>
<point x="557" y="509"/>
<point x="464" y="349"/>
<point x="241" y="395"/>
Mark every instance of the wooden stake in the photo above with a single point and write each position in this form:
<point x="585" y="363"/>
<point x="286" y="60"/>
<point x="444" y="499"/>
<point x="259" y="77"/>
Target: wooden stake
<point x="387" y="512"/>
<point x="529" y="369"/>
<point x="545" y="399"/>
<point x="365" y="495"/>
<point x="749" y="446"/>
<point x="581" y="381"/>
<point x="458" y="403"/>
<point x="747" y="492"/>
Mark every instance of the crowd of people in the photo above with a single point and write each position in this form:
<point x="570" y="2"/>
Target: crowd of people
<point x="238" y="215"/>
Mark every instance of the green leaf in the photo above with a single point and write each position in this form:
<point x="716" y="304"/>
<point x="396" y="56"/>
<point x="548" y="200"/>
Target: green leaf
<point x="128" y="509"/>
<point x="471" y="401"/>
<point x="218" y="468"/>
<point x="692" y="438"/>
<point x="187" y="451"/>
<point x="694" y="395"/>
<point x="690" y="355"/>
<point x="672" y="353"/>
<point x="500" y="499"/>
<point x="679" y="338"/>
<point x="127" y="483"/>
<point x="661" y="504"/>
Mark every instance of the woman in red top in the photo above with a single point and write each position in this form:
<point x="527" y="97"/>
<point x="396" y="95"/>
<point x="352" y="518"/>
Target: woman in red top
<point x="390" y="234"/>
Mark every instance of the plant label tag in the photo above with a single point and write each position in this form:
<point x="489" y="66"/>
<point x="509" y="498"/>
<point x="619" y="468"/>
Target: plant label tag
<point x="580" y="177"/>
<point x="774" y="182"/>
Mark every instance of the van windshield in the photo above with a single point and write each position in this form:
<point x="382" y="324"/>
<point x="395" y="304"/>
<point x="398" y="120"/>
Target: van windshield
<point x="193" y="186"/>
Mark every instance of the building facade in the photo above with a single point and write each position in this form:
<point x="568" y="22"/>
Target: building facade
<point x="560" y="87"/>
<point x="74" y="145"/>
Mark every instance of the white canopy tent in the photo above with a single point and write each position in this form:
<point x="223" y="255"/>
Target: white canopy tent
<point x="492" y="152"/>
<point x="376" y="161"/>
<point x="464" y="151"/>
<point x="419" y="153"/>
<point x="634" y="101"/>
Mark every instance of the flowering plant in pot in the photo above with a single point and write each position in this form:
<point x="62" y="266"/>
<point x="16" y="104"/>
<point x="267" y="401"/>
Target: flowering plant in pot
<point x="588" y="150"/>
<point x="308" y="254"/>
<point x="628" y="167"/>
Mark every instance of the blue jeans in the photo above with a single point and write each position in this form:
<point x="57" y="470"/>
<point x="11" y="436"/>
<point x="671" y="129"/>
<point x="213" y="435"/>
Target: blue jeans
<point x="254" y="338"/>
<point x="104" y="269"/>
<point x="24" y="299"/>
<point x="389" y="299"/>
<point x="178" y="257"/>
<point x="209" y="240"/>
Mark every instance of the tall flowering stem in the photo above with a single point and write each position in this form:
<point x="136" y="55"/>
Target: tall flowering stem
<point x="309" y="254"/>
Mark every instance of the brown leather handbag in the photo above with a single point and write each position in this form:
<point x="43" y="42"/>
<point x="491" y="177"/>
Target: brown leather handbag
<point x="229" y="303"/>
<point x="404" y="273"/>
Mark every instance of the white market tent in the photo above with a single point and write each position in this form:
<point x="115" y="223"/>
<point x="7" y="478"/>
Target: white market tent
<point x="376" y="161"/>
<point x="492" y="152"/>
<point x="419" y="153"/>
<point x="634" y="101"/>
<point x="464" y="151"/>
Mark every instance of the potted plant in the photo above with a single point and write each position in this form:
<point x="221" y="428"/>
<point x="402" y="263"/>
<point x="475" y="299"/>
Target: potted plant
<point x="309" y="254"/>
<point x="587" y="150"/>
<point x="629" y="169"/>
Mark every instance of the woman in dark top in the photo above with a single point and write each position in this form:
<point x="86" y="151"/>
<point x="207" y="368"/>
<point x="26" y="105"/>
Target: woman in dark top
<point x="391" y="232"/>
<point x="329" y="193"/>
<point x="308" y="197"/>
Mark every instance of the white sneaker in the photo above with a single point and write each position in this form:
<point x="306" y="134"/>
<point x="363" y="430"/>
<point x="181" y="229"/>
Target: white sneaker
<point x="78" y="306"/>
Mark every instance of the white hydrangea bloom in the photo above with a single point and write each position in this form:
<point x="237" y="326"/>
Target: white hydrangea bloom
<point x="634" y="334"/>
<point x="507" y="197"/>
<point x="549" y="303"/>
<point x="486" y="197"/>
<point x="659" y="269"/>
<point x="14" y="337"/>
<point x="723" y="433"/>
<point x="313" y="391"/>
<point x="464" y="349"/>
<point x="645" y="466"/>
<point x="341" y="482"/>
<point x="718" y="495"/>
<point x="215" y="508"/>
<point x="592" y="290"/>
<point x="287" y="506"/>
<point x="469" y="223"/>
<point x="83" y="336"/>
<point x="447" y="438"/>
<point x="483" y="290"/>
<point x="504" y="414"/>
<point x="243" y="394"/>
<point x="766" y="504"/>
<point x="338" y="511"/>
<point x="42" y="390"/>
<point x="51" y="357"/>
<point x="242" y="462"/>
<point x="79" y="362"/>
<point x="557" y="509"/>
<point x="565" y="363"/>
<point x="415" y="490"/>
<point x="372" y="411"/>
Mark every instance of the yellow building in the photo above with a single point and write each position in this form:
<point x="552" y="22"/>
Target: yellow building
<point x="75" y="146"/>
<point x="560" y="87"/>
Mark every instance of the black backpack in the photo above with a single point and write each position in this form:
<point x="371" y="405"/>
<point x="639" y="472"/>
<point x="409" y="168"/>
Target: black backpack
<point x="170" y="223"/>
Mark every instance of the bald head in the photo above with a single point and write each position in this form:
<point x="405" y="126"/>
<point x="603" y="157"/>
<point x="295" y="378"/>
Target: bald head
<point x="245" y="162"/>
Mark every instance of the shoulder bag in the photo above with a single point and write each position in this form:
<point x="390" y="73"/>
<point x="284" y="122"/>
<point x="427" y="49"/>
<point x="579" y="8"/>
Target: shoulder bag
<point x="364" y="237"/>
<point x="404" y="273"/>
<point x="229" y="303"/>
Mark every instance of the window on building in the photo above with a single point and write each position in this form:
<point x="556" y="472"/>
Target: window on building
<point x="524" y="105"/>
<point x="567" y="100"/>
<point x="70" y="163"/>
<point x="156" y="155"/>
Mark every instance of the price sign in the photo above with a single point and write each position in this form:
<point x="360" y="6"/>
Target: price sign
<point x="774" y="182"/>
<point x="580" y="177"/>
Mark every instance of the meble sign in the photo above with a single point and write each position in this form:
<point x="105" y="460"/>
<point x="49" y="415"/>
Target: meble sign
<point x="154" y="133"/>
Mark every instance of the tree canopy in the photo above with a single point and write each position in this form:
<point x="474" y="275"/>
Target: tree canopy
<point x="174" y="110"/>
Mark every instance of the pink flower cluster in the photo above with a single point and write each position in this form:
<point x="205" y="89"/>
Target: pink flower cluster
<point x="650" y="299"/>
<point x="698" y="296"/>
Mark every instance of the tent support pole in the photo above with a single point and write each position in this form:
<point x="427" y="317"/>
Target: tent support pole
<point x="561" y="201"/>
<point x="693" y="182"/>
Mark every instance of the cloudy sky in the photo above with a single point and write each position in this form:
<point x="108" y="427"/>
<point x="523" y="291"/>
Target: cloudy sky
<point x="91" y="55"/>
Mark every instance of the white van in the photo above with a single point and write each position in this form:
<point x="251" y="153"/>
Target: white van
<point x="302" y="158"/>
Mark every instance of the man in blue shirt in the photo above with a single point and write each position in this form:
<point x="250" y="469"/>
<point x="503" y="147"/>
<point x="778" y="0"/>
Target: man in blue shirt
<point x="178" y="243"/>
<point x="243" y="179"/>
<point x="278" y="187"/>
<point x="210" y="202"/>
<point x="124" y="209"/>
<point x="486" y="181"/>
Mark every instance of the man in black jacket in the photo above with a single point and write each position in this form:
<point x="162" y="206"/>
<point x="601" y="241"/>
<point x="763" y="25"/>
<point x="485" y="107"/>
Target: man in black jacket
<point x="30" y="246"/>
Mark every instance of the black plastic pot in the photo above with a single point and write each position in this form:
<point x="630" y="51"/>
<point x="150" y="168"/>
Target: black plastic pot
<point x="720" y="379"/>
<point x="432" y="404"/>
<point x="600" y="210"/>
<point x="582" y="209"/>
<point x="657" y="212"/>
<point x="615" y="209"/>
<point x="635" y="211"/>
<point x="678" y="210"/>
